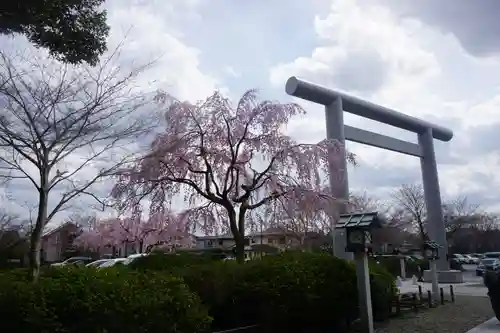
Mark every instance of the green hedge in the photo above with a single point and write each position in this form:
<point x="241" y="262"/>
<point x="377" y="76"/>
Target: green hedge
<point x="170" y="262"/>
<point x="292" y="291"/>
<point x="289" y="292"/>
<point x="75" y="300"/>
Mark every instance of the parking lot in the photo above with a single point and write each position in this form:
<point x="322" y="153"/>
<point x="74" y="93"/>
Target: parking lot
<point x="470" y="274"/>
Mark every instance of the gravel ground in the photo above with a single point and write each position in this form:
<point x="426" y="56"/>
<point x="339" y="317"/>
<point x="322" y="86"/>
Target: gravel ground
<point x="459" y="317"/>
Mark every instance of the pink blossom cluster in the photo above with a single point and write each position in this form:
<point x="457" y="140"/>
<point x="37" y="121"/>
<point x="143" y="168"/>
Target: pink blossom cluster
<point x="157" y="229"/>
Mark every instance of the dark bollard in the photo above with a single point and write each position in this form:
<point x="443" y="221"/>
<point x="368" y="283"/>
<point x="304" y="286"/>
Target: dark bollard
<point x="429" y="299"/>
<point x="441" y="293"/>
<point x="398" y="306"/>
<point x="420" y="293"/>
<point x="452" y="294"/>
<point x="414" y="301"/>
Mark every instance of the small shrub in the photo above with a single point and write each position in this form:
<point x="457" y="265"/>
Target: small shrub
<point x="393" y="266"/>
<point x="383" y="290"/>
<point x="71" y="300"/>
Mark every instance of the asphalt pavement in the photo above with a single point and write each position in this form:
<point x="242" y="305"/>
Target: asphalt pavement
<point x="473" y="285"/>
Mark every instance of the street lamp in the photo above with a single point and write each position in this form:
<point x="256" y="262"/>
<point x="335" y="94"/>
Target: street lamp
<point x="358" y="229"/>
<point x="431" y="250"/>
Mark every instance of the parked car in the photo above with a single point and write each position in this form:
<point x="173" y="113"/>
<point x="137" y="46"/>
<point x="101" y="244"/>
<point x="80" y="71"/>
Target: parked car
<point x="470" y="259"/>
<point x="490" y="262"/>
<point x="133" y="257"/>
<point x="97" y="263"/>
<point x="113" y="262"/>
<point x="74" y="261"/>
<point x="460" y="259"/>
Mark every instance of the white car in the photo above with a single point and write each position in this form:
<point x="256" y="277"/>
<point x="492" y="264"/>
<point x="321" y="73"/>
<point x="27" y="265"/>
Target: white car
<point x="470" y="259"/>
<point x="459" y="258"/>
<point x="73" y="261"/>
<point x="132" y="257"/>
<point x="112" y="262"/>
<point x="97" y="263"/>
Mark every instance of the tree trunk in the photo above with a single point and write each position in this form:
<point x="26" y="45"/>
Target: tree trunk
<point x="238" y="233"/>
<point x="36" y="236"/>
<point x="239" y="251"/>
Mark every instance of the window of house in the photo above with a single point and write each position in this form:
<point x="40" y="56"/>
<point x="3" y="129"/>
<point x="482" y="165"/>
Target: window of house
<point x="221" y="242"/>
<point x="210" y="243"/>
<point x="282" y="240"/>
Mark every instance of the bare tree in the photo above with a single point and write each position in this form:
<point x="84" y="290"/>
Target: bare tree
<point x="7" y="220"/>
<point x="364" y="203"/>
<point x="394" y="230"/>
<point x="63" y="128"/>
<point x="460" y="213"/>
<point x="410" y="202"/>
<point x="12" y="230"/>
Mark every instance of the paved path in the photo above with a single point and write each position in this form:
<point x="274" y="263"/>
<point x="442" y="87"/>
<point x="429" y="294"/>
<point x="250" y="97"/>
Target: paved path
<point x="490" y="326"/>
<point x="467" y="288"/>
<point x="472" y="286"/>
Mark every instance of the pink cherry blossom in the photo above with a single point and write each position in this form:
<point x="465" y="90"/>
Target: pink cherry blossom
<point x="158" y="229"/>
<point x="228" y="160"/>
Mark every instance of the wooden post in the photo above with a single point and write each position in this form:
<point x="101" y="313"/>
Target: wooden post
<point x="452" y="294"/>
<point x="441" y="292"/>
<point x="364" y="293"/>
<point x="435" y="285"/>
<point x="402" y="264"/>
<point x="414" y="301"/>
<point x="429" y="299"/>
<point x="420" y="292"/>
<point x="398" y="306"/>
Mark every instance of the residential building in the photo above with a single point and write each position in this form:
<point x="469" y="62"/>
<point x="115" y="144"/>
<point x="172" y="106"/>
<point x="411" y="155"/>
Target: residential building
<point x="58" y="241"/>
<point x="277" y="237"/>
<point x="215" y="242"/>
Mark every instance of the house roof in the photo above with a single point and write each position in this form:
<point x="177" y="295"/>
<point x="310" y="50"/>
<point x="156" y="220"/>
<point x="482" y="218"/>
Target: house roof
<point x="272" y="231"/>
<point x="225" y="236"/>
<point x="51" y="231"/>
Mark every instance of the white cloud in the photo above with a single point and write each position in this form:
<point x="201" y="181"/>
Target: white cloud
<point x="366" y="48"/>
<point x="419" y="80"/>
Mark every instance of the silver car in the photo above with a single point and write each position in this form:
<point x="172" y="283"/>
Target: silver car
<point x="490" y="262"/>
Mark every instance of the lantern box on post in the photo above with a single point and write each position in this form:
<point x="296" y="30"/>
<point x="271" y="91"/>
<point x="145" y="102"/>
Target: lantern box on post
<point x="358" y="230"/>
<point x="431" y="250"/>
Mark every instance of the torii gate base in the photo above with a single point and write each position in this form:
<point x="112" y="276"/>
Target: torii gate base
<point x="336" y="104"/>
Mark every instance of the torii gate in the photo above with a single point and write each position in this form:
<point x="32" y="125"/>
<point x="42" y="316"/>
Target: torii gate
<point x="335" y="103"/>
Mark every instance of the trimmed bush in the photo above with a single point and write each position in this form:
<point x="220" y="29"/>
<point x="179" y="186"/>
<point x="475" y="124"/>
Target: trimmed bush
<point x="383" y="290"/>
<point x="170" y="262"/>
<point x="71" y="300"/>
<point x="292" y="291"/>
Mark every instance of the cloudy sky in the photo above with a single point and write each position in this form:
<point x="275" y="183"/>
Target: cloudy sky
<point x="437" y="60"/>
